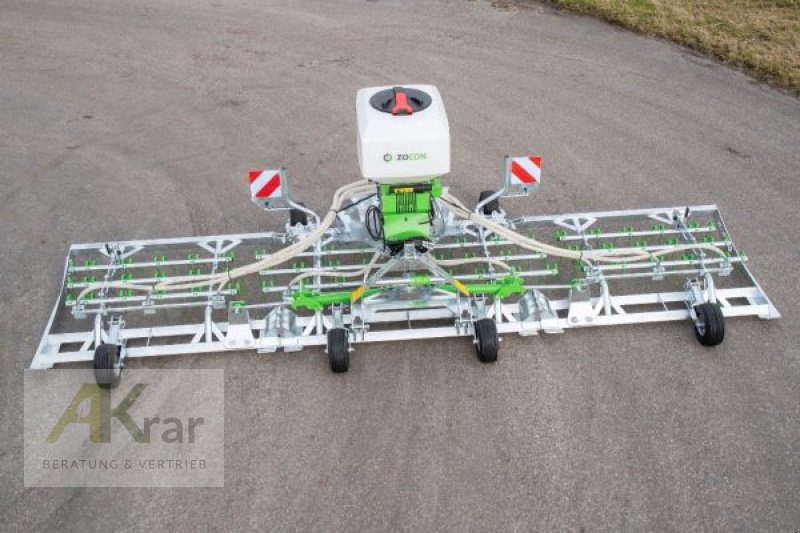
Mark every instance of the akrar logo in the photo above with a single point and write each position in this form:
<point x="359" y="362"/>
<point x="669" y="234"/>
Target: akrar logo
<point x="92" y="406"/>
<point x="413" y="156"/>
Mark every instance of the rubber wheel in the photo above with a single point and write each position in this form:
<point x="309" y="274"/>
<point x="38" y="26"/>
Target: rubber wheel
<point x="710" y="326"/>
<point x="297" y="216"/>
<point x="488" y="341"/>
<point x="338" y="350"/>
<point x="491" y="207"/>
<point x="107" y="371"/>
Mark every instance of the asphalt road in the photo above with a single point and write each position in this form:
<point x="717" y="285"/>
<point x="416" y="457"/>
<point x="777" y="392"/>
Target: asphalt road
<point x="140" y="119"/>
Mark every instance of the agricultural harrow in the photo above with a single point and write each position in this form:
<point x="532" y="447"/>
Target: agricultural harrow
<point x="398" y="257"/>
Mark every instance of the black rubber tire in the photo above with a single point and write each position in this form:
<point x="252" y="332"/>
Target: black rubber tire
<point x="492" y="206"/>
<point x="296" y="216"/>
<point x="488" y="342"/>
<point x="106" y="366"/>
<point x="711" y="330"/>
<point x="338" y="350"/>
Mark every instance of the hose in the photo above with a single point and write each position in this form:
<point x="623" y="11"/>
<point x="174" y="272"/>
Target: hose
<point x="189" y="282"/>
<point x="623" y="256"/>
<point x="365" y="270"/>
<point x="362" y="187"/>
<point x="333" y="274"/>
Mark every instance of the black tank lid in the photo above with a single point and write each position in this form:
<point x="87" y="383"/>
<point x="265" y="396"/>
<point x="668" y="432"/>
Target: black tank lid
<point x="400" y="101"/>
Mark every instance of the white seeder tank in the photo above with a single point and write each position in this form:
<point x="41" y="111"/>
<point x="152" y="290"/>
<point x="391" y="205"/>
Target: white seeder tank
<point x="403" y="135"/>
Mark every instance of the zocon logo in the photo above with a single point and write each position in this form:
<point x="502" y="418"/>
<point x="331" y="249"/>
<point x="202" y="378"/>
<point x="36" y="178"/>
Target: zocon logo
<point x="92" y="406"/>
<point x="414" y="156"/>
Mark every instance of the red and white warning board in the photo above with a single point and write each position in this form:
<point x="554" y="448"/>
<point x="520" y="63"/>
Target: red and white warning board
<point x="526" y="171"/>
<point x="265" y="184"/>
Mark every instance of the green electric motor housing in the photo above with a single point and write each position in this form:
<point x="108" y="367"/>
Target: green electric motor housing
<point x="407" y="210"/>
